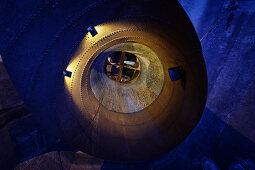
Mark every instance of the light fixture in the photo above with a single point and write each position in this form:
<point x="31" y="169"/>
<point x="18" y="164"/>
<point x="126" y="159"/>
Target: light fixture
<point x="176" y="73"/>
<point x="92" y="31"/>
<point x="67" y="73"/>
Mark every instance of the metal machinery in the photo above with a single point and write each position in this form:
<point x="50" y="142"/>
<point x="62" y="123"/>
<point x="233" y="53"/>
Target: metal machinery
<point x="96" y="74"/>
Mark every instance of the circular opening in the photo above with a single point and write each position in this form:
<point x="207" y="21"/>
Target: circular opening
<point x="122" y="66"/>
<point x="140" y="80"/>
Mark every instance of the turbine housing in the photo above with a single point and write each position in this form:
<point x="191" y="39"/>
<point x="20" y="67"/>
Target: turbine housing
<point x="96" y="74"/>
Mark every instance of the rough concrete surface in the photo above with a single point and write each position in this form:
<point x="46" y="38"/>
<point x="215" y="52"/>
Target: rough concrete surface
<point x="8" y="95"/>
<point x="62" y="160"/>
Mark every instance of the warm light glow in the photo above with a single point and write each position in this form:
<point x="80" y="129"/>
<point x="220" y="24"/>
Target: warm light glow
<point x="86" y="43"/>
<point x="68" y="80"/>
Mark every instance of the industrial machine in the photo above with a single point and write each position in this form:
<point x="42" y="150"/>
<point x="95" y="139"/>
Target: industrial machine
<point x="122" y="80"/>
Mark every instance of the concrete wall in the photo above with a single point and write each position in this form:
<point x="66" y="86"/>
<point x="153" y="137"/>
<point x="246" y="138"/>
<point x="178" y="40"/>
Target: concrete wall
<point x="227" y="36"/>
<point x="8" y="95"/>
